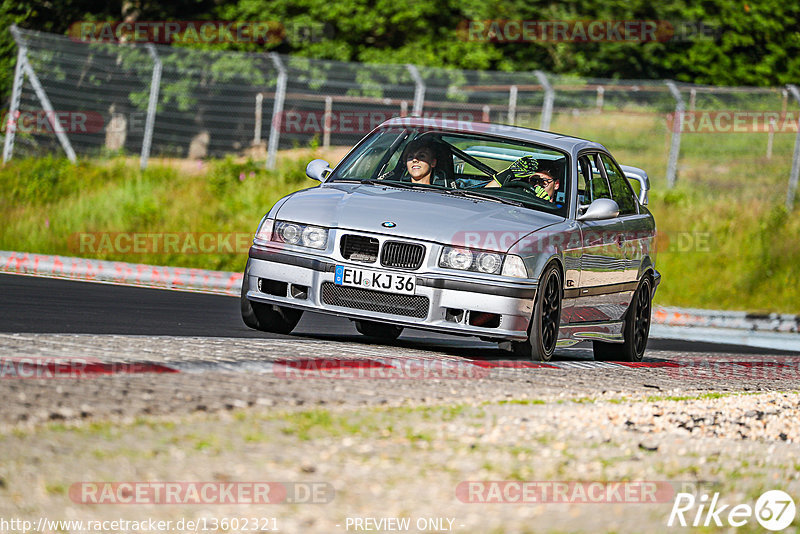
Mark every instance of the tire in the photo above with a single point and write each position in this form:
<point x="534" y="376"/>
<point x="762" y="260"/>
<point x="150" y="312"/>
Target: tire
<point x="266" y="317"/>
<point x="386" y="332"/>
<point x="248" y="315"/>
<point x="546" y="318"/>
<point x="636" y="329"/>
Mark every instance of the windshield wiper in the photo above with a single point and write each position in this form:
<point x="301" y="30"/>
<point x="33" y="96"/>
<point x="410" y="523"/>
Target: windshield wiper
<point x="370" y="181"/>
<point x="482" y="196"/>
<point x="401" y="185"/>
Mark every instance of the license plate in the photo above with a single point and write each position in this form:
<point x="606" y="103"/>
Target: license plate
<point x="377" y="280"/>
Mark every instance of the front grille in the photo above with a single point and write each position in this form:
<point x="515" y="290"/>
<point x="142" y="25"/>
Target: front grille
<point x="359" y="248"/>
<point x="402" y="255"/>
<point x="376" y="301"/>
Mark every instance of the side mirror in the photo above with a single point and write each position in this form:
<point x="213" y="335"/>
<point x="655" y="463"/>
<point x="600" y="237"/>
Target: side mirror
<point x="635" y="173"/>
<point x="318" y="169"/>
<point x="600" y="209"/>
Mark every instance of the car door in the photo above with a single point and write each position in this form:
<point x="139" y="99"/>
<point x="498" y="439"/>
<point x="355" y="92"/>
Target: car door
<point x="638" y="227"/>
<point x="602" y="255"/>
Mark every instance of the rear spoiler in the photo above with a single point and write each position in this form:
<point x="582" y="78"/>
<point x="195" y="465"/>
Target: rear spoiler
<point x="635" y="173"/>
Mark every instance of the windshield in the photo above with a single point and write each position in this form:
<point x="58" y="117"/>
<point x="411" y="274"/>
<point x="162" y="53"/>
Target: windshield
<point x="473" y="165"/>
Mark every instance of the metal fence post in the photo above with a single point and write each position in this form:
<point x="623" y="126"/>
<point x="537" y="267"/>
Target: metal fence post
<point x="326" y="122"/>
<point x="42" y="95"/>
<point x="259" y="112"/>
<point x="784" y="98"/>
<point x="10" y="127"/>
<point x="549" y="96"/>
<point x="770" y="137"/>
<point x="675" y="142"/>
<point x="792" y="190"/>
<point x="277" y="111"/>
<point x="419" y="90"/>
<point x="152" y="106"/>
<point x="512" y="104"/>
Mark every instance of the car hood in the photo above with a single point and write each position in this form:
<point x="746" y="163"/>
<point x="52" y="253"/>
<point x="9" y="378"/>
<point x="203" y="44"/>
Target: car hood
<point x="416" y="213"/>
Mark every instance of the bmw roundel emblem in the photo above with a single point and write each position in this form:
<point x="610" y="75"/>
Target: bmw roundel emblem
<point x="388" y="224"/>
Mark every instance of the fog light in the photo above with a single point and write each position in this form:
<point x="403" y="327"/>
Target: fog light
<point x="298" y="292"/>
<point x="453" y="315"/>
<point x="484" y="320"/>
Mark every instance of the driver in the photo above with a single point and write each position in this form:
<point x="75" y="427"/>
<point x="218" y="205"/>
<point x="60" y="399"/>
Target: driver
<point x="525" y="169"/>
<point x="545" y="185"/>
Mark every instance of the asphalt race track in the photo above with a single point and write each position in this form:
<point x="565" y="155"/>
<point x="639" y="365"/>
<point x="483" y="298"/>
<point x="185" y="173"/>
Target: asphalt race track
<point x="48" y="305"/>
<point x="164" y="351"/>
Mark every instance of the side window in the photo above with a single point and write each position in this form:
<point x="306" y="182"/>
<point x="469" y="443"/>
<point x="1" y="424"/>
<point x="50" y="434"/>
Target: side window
<point x="620" y="189"/>
<point x="598" y="187"/>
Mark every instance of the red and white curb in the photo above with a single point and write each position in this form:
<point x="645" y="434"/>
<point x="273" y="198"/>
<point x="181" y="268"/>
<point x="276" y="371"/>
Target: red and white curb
<point x="775" y="331"/>
<point x="117" y="272"/>
<point x="431" y="368"/>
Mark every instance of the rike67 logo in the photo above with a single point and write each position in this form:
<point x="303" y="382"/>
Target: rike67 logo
<point x="774" y="510"/>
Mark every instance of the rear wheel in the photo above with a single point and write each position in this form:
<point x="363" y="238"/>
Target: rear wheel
<point x="543" y="330"/>
<point x="267" y="317"/>
<point x="635" y="332"/>
<point x="383" y="331"/>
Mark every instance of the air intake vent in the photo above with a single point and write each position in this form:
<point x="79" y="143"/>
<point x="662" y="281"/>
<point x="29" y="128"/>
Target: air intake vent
<point x="359" y="248"/>
<point x="402" y="255"/>
<point x="376" y="301"/>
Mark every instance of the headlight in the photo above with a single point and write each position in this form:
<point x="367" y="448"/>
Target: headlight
<point x="465" y="259"/>
<point x="514" y="266"/>
<point x="457" y="258"/>
<point x="289" y="233"/>
<point x="489" y="263"/>
<point x="314" y="237"/>
<point x="301" y="234"/>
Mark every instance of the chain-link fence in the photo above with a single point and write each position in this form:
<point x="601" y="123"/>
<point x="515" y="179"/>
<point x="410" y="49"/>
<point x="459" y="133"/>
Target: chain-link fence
<point x="152" y="100"/>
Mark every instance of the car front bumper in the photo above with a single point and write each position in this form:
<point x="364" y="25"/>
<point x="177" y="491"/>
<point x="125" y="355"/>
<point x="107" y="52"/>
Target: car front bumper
<point x="455" y="305"/>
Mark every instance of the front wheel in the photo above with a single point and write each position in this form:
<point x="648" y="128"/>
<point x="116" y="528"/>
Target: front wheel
<point x="543" y="330"/>
<point x="275" y="319"/>
<point x="387" y="332"/>
<point x="635" y="332"/>
<point x="266" y="317"/>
